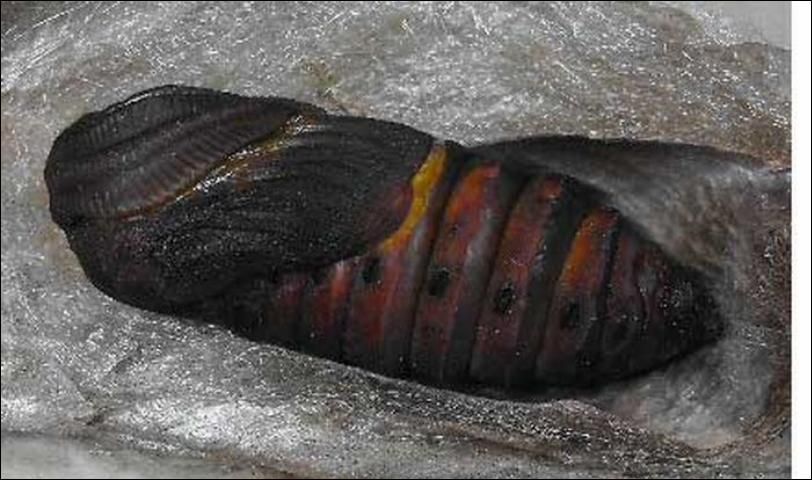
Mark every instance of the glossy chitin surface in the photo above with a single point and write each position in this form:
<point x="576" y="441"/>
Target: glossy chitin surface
<point x="368" y="242"/>
<point x="496" y="278"/>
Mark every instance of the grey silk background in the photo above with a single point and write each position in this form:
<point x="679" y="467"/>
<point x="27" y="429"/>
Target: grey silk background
<point x="94" y="387"/>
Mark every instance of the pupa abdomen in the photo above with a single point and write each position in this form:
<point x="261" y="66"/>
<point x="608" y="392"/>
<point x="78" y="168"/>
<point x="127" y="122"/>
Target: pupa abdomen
<point x="493" y="277"/>
<point x="368" y="243"/>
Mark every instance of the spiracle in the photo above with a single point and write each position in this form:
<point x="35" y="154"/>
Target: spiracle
<point x="370" y="243"/>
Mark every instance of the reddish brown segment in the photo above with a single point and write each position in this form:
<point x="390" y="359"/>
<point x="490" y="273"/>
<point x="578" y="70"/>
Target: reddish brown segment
<point x="388" y="279"/>
<point x="679" y="313"/>
<point x="625" y="313"/>
<point x="324" y="310"/>
<point x="573" y="321"/>
<point x="458" y="273"/>
<point x="282" y="314"/>
<point x="530" y="257"/>
<point x="650" y="267"/>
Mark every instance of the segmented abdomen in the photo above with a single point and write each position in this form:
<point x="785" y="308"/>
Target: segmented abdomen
<point x="494" y="277"/>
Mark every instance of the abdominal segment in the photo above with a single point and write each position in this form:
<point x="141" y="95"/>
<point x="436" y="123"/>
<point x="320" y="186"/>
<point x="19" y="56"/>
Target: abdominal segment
<point x="494" y="277"/>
